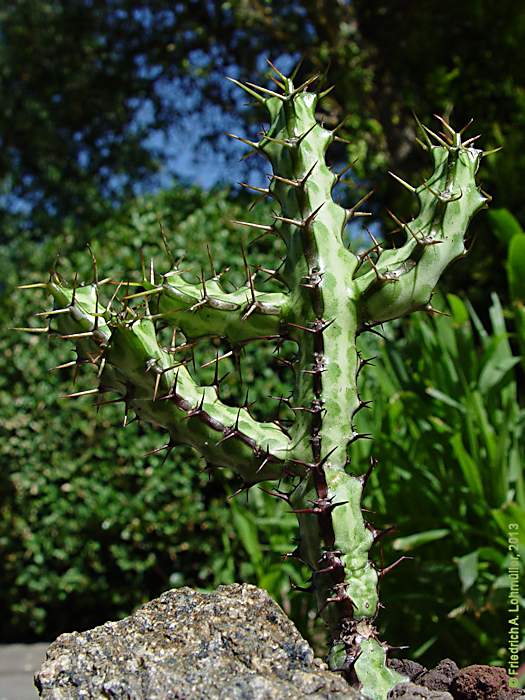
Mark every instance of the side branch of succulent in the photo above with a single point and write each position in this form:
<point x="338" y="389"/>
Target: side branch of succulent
<point x="329" y="296"/>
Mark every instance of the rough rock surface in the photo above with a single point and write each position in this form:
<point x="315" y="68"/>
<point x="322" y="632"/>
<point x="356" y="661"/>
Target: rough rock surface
<point x="233" y="644"/>
<point x="440" y="677"/>
<point x="408" y="668"/>
<point x="446" y="681"/>
<point x="412" y="691"/>
<point x="483" y="683"/>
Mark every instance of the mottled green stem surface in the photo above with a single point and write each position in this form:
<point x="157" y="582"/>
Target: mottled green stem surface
<point x="330" y="295"/>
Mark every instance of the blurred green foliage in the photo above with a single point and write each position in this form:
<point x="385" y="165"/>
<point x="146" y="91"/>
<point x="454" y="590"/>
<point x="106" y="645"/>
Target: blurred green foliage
<point x="449" y="437"/>
<point x="91" y="527"/>
<point x="508" y="230"/>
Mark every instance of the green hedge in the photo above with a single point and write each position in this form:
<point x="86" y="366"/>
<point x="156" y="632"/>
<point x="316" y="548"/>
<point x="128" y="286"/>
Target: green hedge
<point x="90" y="526"/>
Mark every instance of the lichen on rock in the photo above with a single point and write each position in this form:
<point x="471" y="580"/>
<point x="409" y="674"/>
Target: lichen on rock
<point x="234" y="643"/>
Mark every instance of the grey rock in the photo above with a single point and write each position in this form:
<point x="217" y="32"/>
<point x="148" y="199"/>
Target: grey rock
<point x="440" y="677"/>
<point x="408" y="668"/>
<point x="411" y="691"/>
<point x="233" y="644"/>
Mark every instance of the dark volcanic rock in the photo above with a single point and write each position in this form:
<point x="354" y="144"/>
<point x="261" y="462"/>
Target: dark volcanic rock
<point x="411" y="691"/>
<point x="483" y="683"/>
<point x="406" y="667"/>
<point x="446" y="681"/>
<point x="233" y="644"/>
<point x="440" y="677"/>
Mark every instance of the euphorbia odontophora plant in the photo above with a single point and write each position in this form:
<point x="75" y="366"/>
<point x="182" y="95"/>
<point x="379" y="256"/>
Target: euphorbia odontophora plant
<point x="329" y="296"/>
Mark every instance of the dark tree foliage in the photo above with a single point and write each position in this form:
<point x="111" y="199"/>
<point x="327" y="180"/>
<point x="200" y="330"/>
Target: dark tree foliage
<point x="84" y="82"/>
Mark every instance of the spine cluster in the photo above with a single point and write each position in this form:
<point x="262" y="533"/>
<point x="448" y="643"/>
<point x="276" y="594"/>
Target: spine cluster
<point x="330" y="294"/>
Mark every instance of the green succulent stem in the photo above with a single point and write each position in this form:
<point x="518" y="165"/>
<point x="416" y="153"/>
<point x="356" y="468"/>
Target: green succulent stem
<point x="331" y="295"/>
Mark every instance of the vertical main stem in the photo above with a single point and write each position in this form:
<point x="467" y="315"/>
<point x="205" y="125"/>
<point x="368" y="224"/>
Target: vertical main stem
<point x="323" y="320"/>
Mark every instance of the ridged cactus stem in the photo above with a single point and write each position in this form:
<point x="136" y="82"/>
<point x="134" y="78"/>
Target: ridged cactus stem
<point x="330" y="295"/>
<point x="324" y="321"/>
